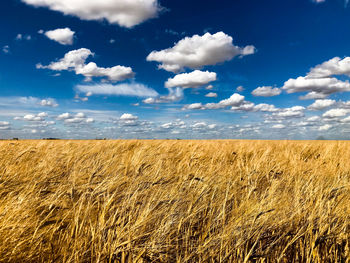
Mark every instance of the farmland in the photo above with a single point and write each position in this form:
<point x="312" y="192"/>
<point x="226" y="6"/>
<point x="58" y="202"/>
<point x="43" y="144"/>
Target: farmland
<point x="174" y="201"/>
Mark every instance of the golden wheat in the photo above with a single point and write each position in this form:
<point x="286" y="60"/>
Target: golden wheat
<point x="174" y="201"/>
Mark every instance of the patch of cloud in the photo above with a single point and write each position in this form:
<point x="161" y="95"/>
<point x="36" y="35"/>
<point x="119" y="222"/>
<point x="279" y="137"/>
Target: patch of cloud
<point x="335" y="113"/>
<point x="325" y="127"/>
<point x="124" y="89"/>
<point x="20" y="37"/>
<point x="124" y="13"/>
<point x="48" y="103"/>
<point x="279" y="126"/>
<point x="293" y="112"/>
<point x="198" y="51"/>
<point x="173" y="96"/>
<point x="316" y="87"/>
<point x="33" y="117"/>
<point x="75" y="60"/>
<point x="78" y="118"/>
<point x="240" y="89"/>
<point x="128" y="117"/>
<point x="211" y="95"/>
<point x="333" y="67"/>
<point x="64" y="36"/>
<point x="193" y="79"/>
<point x="234" y="101"/>
<point x="6" y="49"/>
<point x="266" y="91"/>
<point x="321" y="104"/>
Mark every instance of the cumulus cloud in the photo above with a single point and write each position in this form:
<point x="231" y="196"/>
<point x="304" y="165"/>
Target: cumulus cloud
<point x="263" y="107"/>
<point x="64" y="116"/>
<point x="77" y="118"/>
<point x="75" y="61"/>
<point x="317" y="87"/>
<point x="20" y="37"/>
<point x="212" y="95"/>
<point x="198" y="51"/>
<point x="325" y="127"/>
<point x="332" y="67"/>
<point x="63" y="36"/>
<point x="128" y="117"/>
<point x="240" y="88"/>
<point x="6" y="49"/>
<point x="335" y="113"/>
<point x="4" y="123"/>
<point x="48" y="103"/>
<point x="124" y="89"/>
<point x="32" y="117"/>
<point x="293" y="112"/>
<point x="193" y="79"/>
<point x="174" y="95"/>
<point x="124" y="13"/>
<point x="321" y="104"/>
<point x="266" y="91"/>
<point x="279" y="126"/>
<point x="234" y="101"/>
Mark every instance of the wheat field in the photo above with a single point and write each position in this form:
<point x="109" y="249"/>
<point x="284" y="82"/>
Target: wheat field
<point x="174" y="201"/>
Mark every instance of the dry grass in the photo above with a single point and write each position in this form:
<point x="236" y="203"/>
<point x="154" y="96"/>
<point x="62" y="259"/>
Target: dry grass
<point x="174" y="201"/>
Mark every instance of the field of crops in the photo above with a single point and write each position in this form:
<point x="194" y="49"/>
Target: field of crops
<point x="174" y="201"/>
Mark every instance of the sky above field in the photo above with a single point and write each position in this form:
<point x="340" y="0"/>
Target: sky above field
<point x="175" y="69"/>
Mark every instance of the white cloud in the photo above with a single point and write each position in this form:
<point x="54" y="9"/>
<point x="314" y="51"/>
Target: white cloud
<point x="234" y="101"/>
<point x="194" y="79"/>
<point x="313" y="96"/>
<point x="279" y="126"/>
<point x="334" y="113"/>
<point x="198" y="51"/>
<point x="321" y="104"/>
<point x="266" y="91"/>
<point x="31" y="117"/>
<point x="174" y="95"/>
<point x="64" y="116"/>
<point x="125" y="89"/>
<point x="43" y="114"/>
<point x="332" y="67"/>
<point x="293" y="112"/>
<point x="75" y="61"/>
<point x="317" y="87"/>
<point x="194" y="106"/>
<point x="199" y="125"/>
<point x="20" y="37"/>
<point x="240" y="88"/>
<point x="212" y="95"/>
<point x="126" y="13"/>
<point x="4" y="123"/>
<point x="49" y="103"/>
<point x="128" y="117"/>
<point x="347" y="119"/>
<point x="314" y="118"/>
<point x="78" y="118"/>
<point x="63" y="36"/>
<point x="90" y="120"/>
<point x="6" y="49"/>
<point x="263" y="107"/>
<point x="325" y="127"/>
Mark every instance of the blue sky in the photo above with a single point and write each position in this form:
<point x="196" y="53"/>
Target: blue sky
<point x="175" y="69"/>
